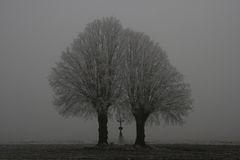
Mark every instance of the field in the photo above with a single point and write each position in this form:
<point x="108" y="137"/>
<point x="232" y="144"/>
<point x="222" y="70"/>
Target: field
<point x="116" y="152"/>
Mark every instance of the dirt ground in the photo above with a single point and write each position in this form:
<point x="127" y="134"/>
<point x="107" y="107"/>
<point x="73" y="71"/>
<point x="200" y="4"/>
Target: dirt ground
<point x="124" y="152"/>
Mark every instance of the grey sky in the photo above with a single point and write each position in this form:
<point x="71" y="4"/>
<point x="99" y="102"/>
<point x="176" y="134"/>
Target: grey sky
<point x="202" y="40"/>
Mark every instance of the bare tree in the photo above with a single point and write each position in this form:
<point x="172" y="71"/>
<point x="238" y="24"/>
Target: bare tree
<point x="154" y="87"/>
<point x="87" y="78"/>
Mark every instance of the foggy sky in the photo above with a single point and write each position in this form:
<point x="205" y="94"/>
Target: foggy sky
<point x="202" y="39"/>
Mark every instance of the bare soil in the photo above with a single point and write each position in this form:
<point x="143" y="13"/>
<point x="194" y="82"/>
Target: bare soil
<point x="120" y="152"/>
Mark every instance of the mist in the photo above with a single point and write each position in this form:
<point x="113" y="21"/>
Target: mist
<point x="201" y="39"/>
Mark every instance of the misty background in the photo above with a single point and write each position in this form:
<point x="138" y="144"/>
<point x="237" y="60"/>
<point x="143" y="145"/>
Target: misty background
<point x="202" y="40"/>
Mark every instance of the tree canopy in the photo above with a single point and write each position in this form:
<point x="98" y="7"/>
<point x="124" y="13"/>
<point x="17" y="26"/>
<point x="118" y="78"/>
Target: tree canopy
<point x="154" y="87"/>
<point x="87" y="78"/>
<point x="107" y="65"/>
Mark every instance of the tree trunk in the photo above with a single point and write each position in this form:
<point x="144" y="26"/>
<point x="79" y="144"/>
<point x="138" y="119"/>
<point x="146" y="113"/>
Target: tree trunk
<point x="140" y="130"/>
<point x="102" y="130"/>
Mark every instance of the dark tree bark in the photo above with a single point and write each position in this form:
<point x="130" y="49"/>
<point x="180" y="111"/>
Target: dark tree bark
<point x="102" y="130"/>
<point x="140" y="129"/>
